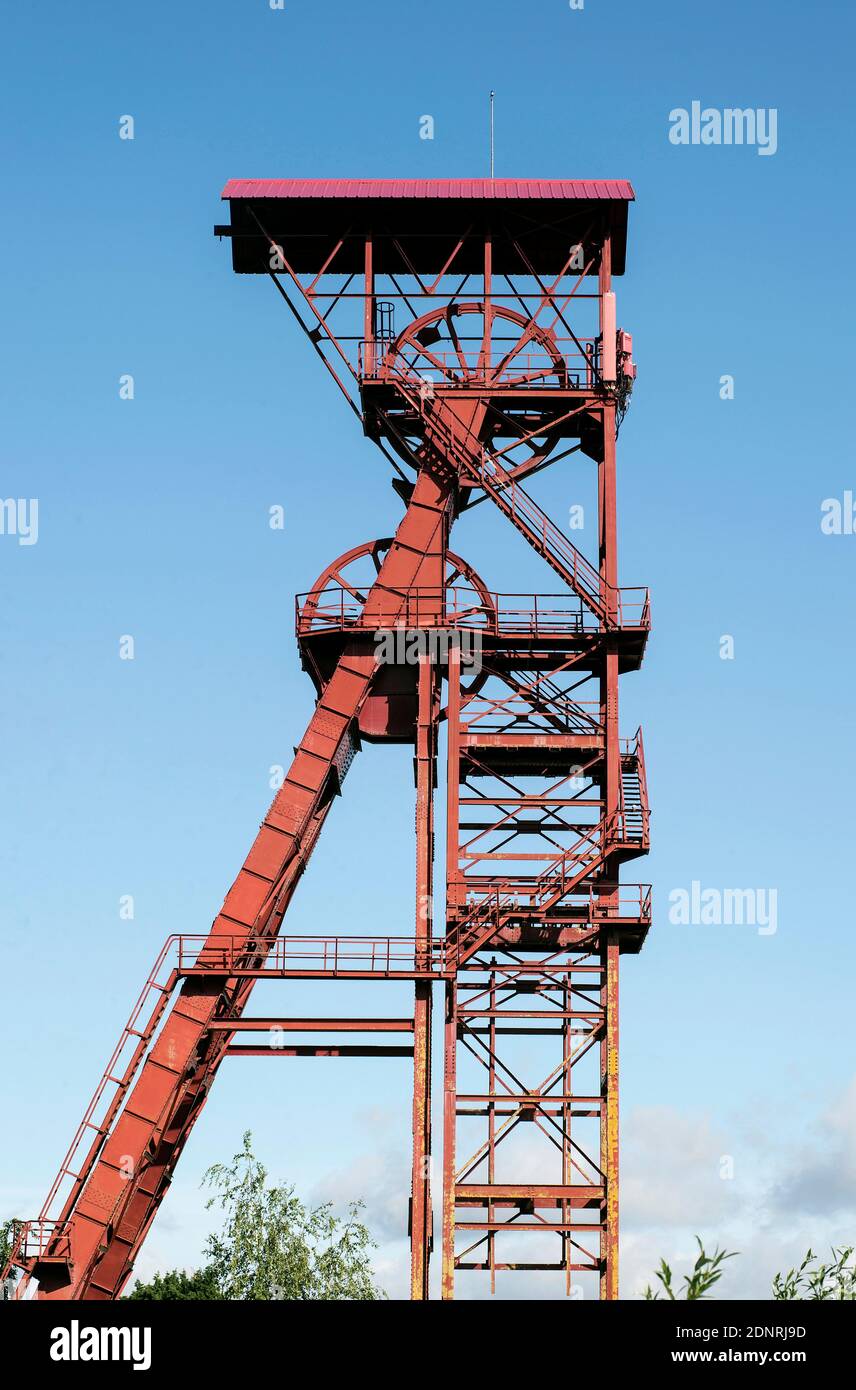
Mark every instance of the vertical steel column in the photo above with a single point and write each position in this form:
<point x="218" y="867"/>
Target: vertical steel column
<point x="421" y="1219"/>
<point x="612" y="809"/>
<point x="491" y="1129"/>
<point x="567" y="1111"/>
<point x="486" y="350"/>
<point x="453" y="719"/>
<point x="609" y="1116"/>
<point x="369" y="310"/>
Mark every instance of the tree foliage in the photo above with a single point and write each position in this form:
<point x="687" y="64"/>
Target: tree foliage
<point x="8" y="1235"/>
<point x="271" y="1246"/>
<point x="177" y="1283"/>
<point x="706" y="1272"/>
<point x="812" y="1279"/>
<point x="820" y="1282"/>
<point x="7" y="1238"/>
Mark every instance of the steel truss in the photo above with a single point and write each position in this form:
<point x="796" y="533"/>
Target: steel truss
<point x="475" y="338"/>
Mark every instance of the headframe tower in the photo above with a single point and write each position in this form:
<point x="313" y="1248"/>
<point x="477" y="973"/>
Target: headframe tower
<point x="471" y="326"/>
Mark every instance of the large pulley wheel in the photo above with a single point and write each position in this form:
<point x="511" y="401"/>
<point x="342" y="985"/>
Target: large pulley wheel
<point x="343" y="587"/>
<point x="494" y="348"/>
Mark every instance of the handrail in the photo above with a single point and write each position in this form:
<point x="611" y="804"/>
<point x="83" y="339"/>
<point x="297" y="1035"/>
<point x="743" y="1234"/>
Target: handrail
<point x="533" y="614"/>
<point x="332" y="955"/>
<point x="101" y="1126"/>
<point x="526" y="366"/>
<point x="536" y="714"/>
<point x="601" y="901"/>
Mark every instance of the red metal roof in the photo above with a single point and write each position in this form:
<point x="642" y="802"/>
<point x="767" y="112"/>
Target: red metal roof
<point x="419" y="222"/>
<point x="588" y="189"/>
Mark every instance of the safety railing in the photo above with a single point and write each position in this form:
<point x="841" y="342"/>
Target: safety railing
<point x="531" y="714"/>
<point x="627" y="902"/>
<point x="632" y="747"/>
<point x="110" y="1092"/>
<point x="34" y="1239"/>
<point x="501" y="615"/>
<point x="635" y="812"/>
<point x="573" y="366"/>
<point x="322" y="956"/>
<point x="537" y="713"/>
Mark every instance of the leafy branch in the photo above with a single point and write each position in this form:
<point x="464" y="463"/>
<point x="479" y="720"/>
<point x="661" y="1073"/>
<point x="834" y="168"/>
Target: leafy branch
<point x="819" y="1282"/>
<point x="706" y="1272"/>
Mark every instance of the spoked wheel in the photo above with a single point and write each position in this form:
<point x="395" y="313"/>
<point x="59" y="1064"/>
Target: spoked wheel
<point x="339" y="593"/>
<point x="463" y="345"/>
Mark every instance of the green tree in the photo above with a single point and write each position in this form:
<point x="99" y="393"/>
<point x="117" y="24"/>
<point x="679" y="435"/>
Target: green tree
<point x="706" y="1271"/>
<point x="178" y="1284"/>
<point x="271" y="1246"/>
<point x="819" y="1282"/>
<point x="8" y="1235"/>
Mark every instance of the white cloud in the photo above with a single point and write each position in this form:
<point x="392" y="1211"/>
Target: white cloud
<point x="780" y="1201"/>
<point x="823" y="1182"/>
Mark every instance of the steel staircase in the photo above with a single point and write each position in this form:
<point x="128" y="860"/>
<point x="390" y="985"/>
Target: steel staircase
<point x="616" y="834"/>
<point x="545" y="537"/>
<point x="625" y="832"/>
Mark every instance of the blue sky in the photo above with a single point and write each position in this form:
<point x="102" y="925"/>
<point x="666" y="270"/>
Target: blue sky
<point x="149" y="777"/>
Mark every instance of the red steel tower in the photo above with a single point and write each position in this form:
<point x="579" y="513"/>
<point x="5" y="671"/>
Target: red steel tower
<point x="471" y="325"/>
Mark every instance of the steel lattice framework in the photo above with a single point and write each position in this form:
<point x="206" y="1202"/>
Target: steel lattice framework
<point x="471" y="326"/>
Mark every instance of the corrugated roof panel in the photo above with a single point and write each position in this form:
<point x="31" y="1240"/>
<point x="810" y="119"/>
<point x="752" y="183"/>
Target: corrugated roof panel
<point x="585" y="189"/>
